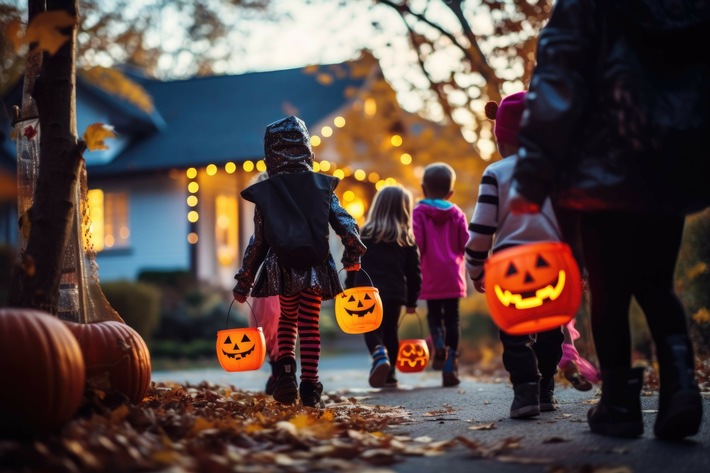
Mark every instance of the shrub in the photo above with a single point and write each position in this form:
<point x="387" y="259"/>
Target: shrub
<point x="137" y="303"/>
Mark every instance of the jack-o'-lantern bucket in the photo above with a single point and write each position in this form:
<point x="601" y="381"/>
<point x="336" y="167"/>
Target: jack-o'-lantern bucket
<point x="413" y="354"/>
<point x="359" y="309"/>
<point x="241" y="349"/>
<point x="532" y="287"/>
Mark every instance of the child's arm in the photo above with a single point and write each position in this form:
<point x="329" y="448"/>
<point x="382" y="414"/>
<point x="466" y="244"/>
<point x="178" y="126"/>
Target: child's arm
<point x="346" y="228"/>
<point x="483" y="226"/>
<point x="254" y="255"/>
<point x="413" y="272"/>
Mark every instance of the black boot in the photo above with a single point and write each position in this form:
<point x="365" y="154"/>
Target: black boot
<point x="680" y="405"/>
<point x="548" y="403"/>
<point x="437" y="338"/>
<point x="526" y="401"/>
<point x="286" y="386"/>
<point x="450" y="371"/>
<point x="311" y="393"/>
<point x="618" y="413"/>
<point x="271" y="382"/>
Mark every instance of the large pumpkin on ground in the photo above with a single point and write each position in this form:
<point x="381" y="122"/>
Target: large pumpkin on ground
<point x="116" y="358"/>
<point x="533" y="287"/>
<point x="42" y="374"/>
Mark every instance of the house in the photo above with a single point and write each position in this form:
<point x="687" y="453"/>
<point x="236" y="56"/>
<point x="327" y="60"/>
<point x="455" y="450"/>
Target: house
<point x="165" y="195"/>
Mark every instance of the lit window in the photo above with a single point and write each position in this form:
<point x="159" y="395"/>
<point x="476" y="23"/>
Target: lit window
<point x="108" y="213"/>
<point x="226" y="229"/>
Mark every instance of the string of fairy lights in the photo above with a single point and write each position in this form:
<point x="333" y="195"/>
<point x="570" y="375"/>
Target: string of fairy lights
<point x="350" y="200"/>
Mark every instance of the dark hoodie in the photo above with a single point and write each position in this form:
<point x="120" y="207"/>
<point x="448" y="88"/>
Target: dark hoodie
<point x="618" y="110"/>
<point x="294" y="202"/>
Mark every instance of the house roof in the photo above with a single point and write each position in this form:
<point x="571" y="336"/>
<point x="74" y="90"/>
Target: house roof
<point x="218" y="119"/>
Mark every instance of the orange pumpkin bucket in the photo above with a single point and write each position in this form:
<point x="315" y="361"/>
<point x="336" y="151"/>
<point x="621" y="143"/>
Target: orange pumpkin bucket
<point x="533" y="287"/>
<point x="359" y="309"/>
<point x="413" y="353"/>
<point x="241" y="349"/>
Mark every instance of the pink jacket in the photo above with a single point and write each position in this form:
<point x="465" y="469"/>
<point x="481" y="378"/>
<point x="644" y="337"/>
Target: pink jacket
<point x="441" y="232"/>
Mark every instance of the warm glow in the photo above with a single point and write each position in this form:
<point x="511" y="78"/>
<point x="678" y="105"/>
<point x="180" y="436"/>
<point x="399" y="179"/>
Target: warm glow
<point x="370" y="107"/>
<point x="379" y="185"/>
<point x="191" y="200"/>
<point x="226" y="229"/>
<point x="390" y="181"/>
<point x="230" y="168"/>
<point x="191" y="173"/>
<point x="360" y="175"/>
<point x="109" y="241"/>
<point x="315" y="140"/>
<point x="339" y="122"/>
<point x="316" y="166"/>
<point x="406" y="159"/>
<point x="95" y="204"/>
<point x="324" y="165"/>
<point x="261" y="165"/>
<point x="124" y="233"/>
<point x="193" y="216"/>
<point x="396" y="140"/>
<point x="348" y="196"/>
<point x="373" y="177"/>
<point x="248" y="166"/>
<point x="326" y="131"/>
<point x="211" y="170"/>
<point x="192" y="238"/>
<point x="356" y="208"/>
<point x="193" y="187"/>
<point x="339" y="173"/>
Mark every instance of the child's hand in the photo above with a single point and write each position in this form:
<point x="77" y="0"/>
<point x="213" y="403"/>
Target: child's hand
<point x="355" y="267"/>
<point x="238" y="296"/>
<point x="411" y="310"/>
<point x="478" y="284"/>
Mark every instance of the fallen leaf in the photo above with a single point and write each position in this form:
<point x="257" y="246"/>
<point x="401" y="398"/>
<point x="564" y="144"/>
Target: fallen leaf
<point x="490" y="426"/>
<point x="42" y="30"/>
<point x="95" y="135"/>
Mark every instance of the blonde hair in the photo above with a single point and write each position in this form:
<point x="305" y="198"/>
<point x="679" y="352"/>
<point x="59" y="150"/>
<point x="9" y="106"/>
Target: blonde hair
<point x="390" y="217"/>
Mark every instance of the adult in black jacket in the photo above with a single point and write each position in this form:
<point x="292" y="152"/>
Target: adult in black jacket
<point x="615" y="123"/>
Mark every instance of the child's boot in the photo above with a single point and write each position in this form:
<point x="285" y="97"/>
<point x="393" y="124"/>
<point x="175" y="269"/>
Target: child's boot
<point x="380" y="367"/>
<point x="618" y="412"/>
<point x="286" y="386"/>
<point x="311" y="394"/>
<point x="391" y="381"/>
<point x="526" y="400"/>
<point x="548" y="403"/>
<point x="437" y="338"/>
<point x="680" y="405"/>
<point x="271" y="382"/>
<point x="450" y="371"/>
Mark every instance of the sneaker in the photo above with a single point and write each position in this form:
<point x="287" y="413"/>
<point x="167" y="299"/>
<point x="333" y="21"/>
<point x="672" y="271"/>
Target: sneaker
<point x="380" y="367"/>
<point x="571" y="373"/>
<point x="311" y="394"/>
<point x="286" y="386"/>
<point x="437" y="338"/>
<point x="548" y="403"/>
<point x="450" y="371"/>
<point x="526" y="400"/>
<point x="391" y="381"/>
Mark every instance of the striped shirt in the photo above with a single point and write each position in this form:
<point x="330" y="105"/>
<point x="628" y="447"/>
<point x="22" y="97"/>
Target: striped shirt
<point x="493" y="227"/>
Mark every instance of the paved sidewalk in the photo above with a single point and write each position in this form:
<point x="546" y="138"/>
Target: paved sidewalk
<point x="555" y="442"/>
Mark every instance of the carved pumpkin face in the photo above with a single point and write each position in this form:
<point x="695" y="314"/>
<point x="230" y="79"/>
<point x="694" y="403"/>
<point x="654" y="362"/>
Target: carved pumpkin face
<point x="533" y="287"/>
<point x="413" y="355"/>
<point x="241" y="349"/>
<point x="358" y="309"/>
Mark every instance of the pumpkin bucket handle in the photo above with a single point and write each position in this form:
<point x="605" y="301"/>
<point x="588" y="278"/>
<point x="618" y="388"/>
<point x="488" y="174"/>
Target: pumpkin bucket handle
<point x="419" y="318"/>
<point x="226" y="325"/>
<point x="361" y="269"/>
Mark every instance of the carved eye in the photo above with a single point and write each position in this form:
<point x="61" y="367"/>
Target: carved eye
<point x="541" y="262"/>
<point x="512" y="270"/>
<point x="245" y="338"/>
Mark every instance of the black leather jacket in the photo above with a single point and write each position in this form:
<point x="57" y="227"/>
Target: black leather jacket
<point x="597" y="134"/>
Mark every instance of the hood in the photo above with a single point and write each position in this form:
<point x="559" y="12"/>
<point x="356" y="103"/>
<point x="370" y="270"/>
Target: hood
<point x="287" y="147"/>
<point x="437" y="214"/>
<point x="664" y="15"/>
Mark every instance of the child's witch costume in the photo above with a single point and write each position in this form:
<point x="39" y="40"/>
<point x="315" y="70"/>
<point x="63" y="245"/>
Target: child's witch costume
<point x="288" y="255"/>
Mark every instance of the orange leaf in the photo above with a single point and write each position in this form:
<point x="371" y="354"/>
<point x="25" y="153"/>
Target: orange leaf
<point x="95" y="135"/>
<point x="43" y="30"/>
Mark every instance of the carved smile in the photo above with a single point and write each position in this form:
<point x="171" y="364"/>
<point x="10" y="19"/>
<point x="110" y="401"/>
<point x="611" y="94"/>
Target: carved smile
<point x="239" y="354"/>
<point x="361" y="313"/>
<point x="533" y="298"/>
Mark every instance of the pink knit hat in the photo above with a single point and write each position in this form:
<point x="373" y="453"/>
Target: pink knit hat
<point x="507" y="117"/>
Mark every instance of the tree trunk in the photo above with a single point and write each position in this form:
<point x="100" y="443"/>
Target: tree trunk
<point x="36" y="279"/>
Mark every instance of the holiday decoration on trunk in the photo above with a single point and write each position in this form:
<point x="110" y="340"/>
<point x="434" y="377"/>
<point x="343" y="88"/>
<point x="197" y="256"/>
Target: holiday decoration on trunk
<point x="241" y="349"/>
<point x="41" y="372"/>
<point x="359" y="309"/>
<point x="533" y="287"/>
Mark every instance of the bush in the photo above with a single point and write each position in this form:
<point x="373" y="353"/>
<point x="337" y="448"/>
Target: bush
<point x="137" y="303"/>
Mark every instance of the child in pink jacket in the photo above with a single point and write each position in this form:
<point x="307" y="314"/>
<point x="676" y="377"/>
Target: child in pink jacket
<point x="441" y="233"/>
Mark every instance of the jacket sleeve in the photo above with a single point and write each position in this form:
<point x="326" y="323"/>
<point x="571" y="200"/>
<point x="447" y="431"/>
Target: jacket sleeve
<point x="484" y="224"/>
<point x="558" y="97"/>
<point x="413" y="273"/>
<point x="463" y="233"/>
<point x="254" y="255"/>
<point x="346" y="228"/>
